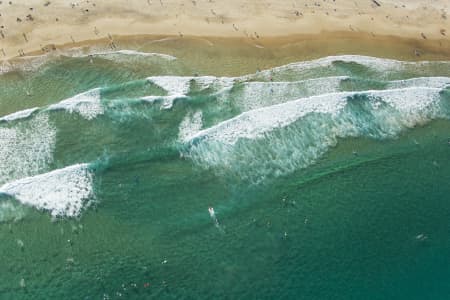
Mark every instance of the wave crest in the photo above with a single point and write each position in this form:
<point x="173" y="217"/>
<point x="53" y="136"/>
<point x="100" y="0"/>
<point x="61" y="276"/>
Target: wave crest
<point x="62" y="192"/>
<point x="279" y="139"/>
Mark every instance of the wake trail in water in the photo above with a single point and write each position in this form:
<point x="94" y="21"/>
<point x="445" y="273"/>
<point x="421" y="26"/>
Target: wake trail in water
<point x="213" y="217"/>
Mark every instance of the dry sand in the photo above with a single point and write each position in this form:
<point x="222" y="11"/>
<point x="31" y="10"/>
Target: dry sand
<point x="31" y="25"/>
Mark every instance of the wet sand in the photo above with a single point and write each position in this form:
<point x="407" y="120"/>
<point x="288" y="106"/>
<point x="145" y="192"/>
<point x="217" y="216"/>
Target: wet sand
<point x="238" y="56"/>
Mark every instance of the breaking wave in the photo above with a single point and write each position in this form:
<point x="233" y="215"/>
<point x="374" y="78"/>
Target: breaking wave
<point x="279" y="139"/>
<point x="23" y="114"/>
<point x="86" y="104"/>
<point x="63" y="192"/>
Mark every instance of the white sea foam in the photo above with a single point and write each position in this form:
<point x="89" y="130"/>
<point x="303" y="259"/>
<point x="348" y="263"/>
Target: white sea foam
<point x="166" y="39"/>
<point x="27" y="148"/>
<point x="380" y="64"/>
<point x="216" y="83"/>
<point x="259" y="94"/>
<point x="5" y="67"/>
<point x="118" y="53"/>
<point x="23" y="114"/>
<point x="191" y="124"/>
<point x="327" y="66"/>
<point x="62" y="192"/>
<point x="173" y="85"/>
<point x="27" y="64"/>
<point x="261" y="143"/>
<point x="32" y="63"/>
<point x="431" y="82"/>
<point x="180" y="85"/>
<point x="87" y="104"/>
<point x="408" y="100"/>
<point x="167" y="101"/>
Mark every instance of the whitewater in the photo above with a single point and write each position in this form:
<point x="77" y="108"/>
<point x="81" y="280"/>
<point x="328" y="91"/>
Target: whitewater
<point x="256" y="127"/>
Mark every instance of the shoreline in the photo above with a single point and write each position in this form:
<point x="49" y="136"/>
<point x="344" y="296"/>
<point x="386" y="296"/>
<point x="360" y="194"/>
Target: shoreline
<point x="205" y="53"/>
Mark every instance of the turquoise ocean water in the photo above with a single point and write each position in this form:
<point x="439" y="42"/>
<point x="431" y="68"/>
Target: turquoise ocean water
<point x="125" y="175"/>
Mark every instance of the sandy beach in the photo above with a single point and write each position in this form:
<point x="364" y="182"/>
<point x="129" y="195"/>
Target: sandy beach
<point x="38" y="25"/>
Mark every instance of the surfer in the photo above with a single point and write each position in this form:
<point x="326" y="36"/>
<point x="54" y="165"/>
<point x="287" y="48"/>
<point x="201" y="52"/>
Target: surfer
<point x="211" y="212"/>
<point x="421" y="237"/>
<point x="213" y="216"/>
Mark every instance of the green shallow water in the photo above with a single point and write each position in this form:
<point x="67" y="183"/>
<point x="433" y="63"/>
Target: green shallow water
<point x="347" y="206"/>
